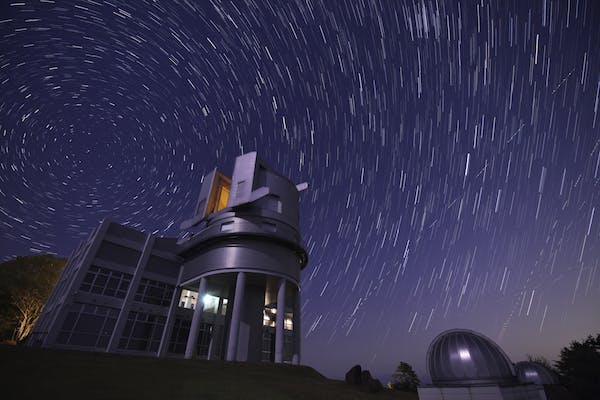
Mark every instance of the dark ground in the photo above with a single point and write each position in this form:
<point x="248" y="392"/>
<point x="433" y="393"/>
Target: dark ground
<point x="27" y="373"/>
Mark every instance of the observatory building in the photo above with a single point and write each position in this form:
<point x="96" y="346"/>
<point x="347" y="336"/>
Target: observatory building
<point x="227" y="289"/>
<point x="467" y="365"/>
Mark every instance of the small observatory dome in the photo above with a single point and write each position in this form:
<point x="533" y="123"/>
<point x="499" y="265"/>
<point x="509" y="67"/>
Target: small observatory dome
<point x="533" y="372"/>
<point x="461" y="357"/>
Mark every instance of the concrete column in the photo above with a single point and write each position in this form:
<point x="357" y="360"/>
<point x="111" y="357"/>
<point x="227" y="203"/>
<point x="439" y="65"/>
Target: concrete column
<point x="279" y="322"/>
<point x="190" y="348"/>
<point x="234" y="327"/>
<point x="296" y="325"/>
<point x="113" y="343"/>
<point x="166" y="335"/>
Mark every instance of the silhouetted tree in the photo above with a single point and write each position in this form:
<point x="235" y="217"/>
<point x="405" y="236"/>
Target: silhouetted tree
<point x="25" y="284"/>
<point x="404" y="379"/>
<point x="579" y="368"/>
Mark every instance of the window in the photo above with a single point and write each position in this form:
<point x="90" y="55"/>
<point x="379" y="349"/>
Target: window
<point x="179" y="335"/>
<point x="154" y="292"/>
<point x="88" y="325"/>
<point x="211" y="304"/>
<point x="105" y="282"/>
<point x="203" y="343"/>
<point x="142" y="332"/>
<point x="224" y="307"/>
<point x="269" y="317"/>
<point x="268" y="345"/>
<point x="219" y="194"/>
<point x="188" y="299"/>
<point x="288" y="323"/>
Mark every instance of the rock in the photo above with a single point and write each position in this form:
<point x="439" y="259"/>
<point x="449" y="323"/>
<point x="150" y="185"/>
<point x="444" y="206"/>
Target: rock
<point x="368" y="384"/>
<point x="353" y="376"/>
<point x="365" y="377"/>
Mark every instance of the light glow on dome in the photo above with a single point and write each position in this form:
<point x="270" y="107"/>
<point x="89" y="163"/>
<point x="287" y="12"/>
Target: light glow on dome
<point x="464" y="354"/>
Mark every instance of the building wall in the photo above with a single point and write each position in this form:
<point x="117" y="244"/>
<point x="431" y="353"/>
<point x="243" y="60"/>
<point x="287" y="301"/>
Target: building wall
<point x="90" y="297"/>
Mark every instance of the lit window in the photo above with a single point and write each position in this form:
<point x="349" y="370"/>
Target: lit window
<point x="211" y="303"/>
<point x="288" y="325"/>
<point x="269" y="317"/>
<point x="219" y="194"/>
<point x="224" y="307"/>
<point x="188" y="299"/>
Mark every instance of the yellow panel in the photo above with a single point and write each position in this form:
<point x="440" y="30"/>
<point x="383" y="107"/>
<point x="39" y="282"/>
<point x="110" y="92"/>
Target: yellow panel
<point x="219" y="194"/>
<point x="223" y="197"/>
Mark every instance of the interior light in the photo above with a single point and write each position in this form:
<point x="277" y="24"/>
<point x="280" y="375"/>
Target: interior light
<point x="464" y="354"/>
<point x="274" y="310"/>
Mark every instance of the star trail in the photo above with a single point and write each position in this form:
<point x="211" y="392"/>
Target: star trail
<point x="452" y="151"/>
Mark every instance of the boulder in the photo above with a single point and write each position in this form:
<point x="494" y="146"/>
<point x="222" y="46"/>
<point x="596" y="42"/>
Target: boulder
<point x="368" y="384"/>
<point x="353" y="376"/>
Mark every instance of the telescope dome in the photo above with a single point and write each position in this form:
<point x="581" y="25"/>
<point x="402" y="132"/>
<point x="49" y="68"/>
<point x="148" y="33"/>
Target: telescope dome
<point x="534" y="372"/>
<point x="461" y="357"/>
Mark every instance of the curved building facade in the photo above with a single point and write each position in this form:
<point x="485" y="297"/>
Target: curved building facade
<point x="244" y="244"/>
<point x="228" y="288"/>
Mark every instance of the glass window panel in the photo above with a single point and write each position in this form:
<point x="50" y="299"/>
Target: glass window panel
<point x="89" y="323"/>
<point x="100" y="280"/>
<point x="62" y="337"/>
<point x="103" y="341"/>
<point x="89" y="277"/>
<point x="113" y="283"/>
<point x="83" y="339"/>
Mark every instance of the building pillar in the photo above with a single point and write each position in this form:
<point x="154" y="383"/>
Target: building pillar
<point x="113" y="343"/>
<point x="190" y="348"/>
<point x="296" y="326"/>
<point x="280" y="321"/>
<point x="234" y="326"/>
<point x="166" y="335"/>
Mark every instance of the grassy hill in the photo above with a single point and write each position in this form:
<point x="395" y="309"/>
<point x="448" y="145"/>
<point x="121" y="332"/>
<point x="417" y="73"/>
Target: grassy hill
<point x="27" y="373"/>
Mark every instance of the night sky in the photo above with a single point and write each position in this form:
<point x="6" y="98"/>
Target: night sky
<point x="452" y="151"/>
